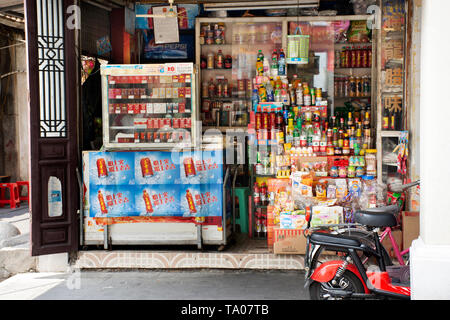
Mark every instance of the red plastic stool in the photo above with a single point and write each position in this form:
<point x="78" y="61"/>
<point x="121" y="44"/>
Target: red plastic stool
<point x="13" y="200"/>
<point x="27" y="185"/>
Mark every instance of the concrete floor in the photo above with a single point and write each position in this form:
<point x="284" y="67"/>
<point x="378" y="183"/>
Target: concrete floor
<point x="157" y="285"/>
<point x="19" y="217"/>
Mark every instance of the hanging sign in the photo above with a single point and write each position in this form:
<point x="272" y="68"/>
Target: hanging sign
<point x="166" y="29"/>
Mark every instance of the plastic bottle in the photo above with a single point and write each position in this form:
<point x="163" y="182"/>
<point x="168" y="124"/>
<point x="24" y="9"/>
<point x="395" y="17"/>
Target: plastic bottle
<point x="274" y="67"/>
<point x="299" y="96"/>
<point x="220" y="60"/>
<point x="277" y="92"/>
<point x="262" y="94"/>
<point x="259" y="67"/>
<point x="260" y="55"/>
<point x="285" y="97"/>
<point x="282" y="64"/>
<point x="270" y="94"/>
<point x="255" y="99"/>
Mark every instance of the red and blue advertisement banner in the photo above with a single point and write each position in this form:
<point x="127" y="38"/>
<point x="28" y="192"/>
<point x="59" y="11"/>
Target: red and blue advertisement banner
<point x="154" y="184"/>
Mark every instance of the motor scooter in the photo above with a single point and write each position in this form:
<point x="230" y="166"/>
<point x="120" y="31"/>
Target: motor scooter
<point x="348" y="277"/>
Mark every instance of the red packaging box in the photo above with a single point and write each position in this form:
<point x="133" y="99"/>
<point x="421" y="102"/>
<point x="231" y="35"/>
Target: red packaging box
<point x="181" y="92"/>
<point x="150" y="123"/>
<point x="176" y="123"/>
<point x="181" y="78"/>
<point x="187" y="92"/>
<point x="182" y="107"/>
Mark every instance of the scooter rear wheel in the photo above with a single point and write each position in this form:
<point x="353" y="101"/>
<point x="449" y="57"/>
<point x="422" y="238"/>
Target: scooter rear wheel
<point x="348" y="282"/>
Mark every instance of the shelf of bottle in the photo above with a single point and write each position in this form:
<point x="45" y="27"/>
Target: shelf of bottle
<point x="352" y="44"/>
<point x="352" y="68"/>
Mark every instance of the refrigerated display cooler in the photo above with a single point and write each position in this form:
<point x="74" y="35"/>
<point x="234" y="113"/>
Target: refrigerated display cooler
<point x="156" y="197"/>
<point x="149" y="106"/>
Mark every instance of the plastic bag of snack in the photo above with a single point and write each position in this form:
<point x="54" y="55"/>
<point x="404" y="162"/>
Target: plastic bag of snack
<point x="340" y="31"/>
<point x="308" y="179"/>
<point x="358" y="32"/>
<point x="321" y="190"/>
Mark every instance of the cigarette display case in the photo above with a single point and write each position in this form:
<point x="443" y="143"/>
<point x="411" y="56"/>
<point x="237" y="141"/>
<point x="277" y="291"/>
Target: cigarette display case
<point x="149" y="106"/>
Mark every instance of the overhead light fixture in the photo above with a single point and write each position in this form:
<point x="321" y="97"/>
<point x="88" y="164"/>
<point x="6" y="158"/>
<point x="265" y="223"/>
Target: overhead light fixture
<point x="260" y="5"/>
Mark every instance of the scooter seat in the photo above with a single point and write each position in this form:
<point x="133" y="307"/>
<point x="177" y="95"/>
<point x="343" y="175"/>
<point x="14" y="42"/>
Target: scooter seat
<point x="376" y="219"/>
<point x="333" y="239"/>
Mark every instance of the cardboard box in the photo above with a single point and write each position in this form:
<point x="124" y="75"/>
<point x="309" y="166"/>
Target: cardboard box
<point x="289" y="241"/>
<point x="410" y="222"/>
<point x="397" y="234"/>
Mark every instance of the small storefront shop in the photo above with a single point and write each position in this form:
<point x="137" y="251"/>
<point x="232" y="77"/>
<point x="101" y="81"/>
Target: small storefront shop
<point x="236" y="126"/>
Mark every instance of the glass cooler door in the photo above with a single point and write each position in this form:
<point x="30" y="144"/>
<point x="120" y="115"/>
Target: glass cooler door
<point x="148" y="106"/>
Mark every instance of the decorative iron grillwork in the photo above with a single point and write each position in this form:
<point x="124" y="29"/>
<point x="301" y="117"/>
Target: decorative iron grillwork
<point x="50" y="34"/>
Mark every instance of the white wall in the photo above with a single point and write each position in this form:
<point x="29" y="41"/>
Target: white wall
<point x="430" y="254"/>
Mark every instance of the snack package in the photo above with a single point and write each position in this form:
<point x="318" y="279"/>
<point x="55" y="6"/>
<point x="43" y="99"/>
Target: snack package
<point x="331" y="191"/>
<point x="341" y="188"/>
<point x="354" y="186"/>
<point x="340" y="31"/>
<point x="358" y="32"/>
<point x="321" y="190"/>
<point x="326" y="215"/>
<point x="292" y="221"/>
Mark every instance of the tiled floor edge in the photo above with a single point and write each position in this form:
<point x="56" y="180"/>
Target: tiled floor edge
<point x="186" y="260"/>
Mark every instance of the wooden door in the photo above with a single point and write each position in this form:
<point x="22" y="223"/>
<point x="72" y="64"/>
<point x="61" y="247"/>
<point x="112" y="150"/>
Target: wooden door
<point x="53" y="75"/>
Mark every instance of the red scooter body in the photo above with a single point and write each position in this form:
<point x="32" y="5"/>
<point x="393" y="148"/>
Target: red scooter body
<point x="327" y="270"/>
<point x="379" y="280"/>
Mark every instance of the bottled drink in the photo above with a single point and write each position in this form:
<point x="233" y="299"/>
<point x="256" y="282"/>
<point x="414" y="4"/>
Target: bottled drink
<point x="358" y="55"/>
<point x="385" y="125"/>
<point x="342" y="57"/>
<point x="274" y="68"/>
<point x="353" y="58"/>
<point x="285" y="97"/>
<point x="282" y="64"/>
<point x="255" y="100"/>
<point x="350" y="121"/>
<point x="303" y="137"/>
<point x="219" y="89"/>
<point x="260" y="55"/>
<point x="270" y="94"/>
<point x="299" y="96"/>
<point x="211" y="89"/>
<point x="296" y="136"/>
<point x="291" y="91"/>
<point x="259" y="67"/>
<point x="262" y="94"/>
<point x="219" y="60"/>
<point x="365" y="58"/>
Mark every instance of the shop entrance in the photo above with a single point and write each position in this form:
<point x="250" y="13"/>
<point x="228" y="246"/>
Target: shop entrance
<point x="302" y="91"/>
